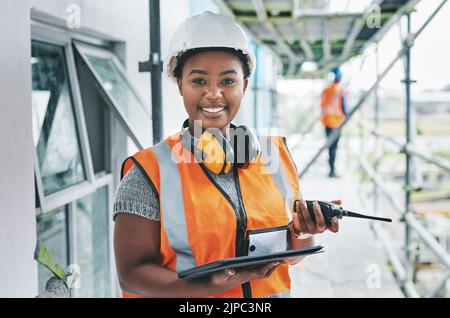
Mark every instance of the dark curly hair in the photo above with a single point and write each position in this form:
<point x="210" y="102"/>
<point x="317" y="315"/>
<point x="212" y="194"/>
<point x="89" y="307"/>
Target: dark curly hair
<point x="184" y="56"/>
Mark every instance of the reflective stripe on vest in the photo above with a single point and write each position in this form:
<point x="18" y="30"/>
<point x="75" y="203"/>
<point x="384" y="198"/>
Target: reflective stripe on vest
<point x="172" y="201"/>
<point x="271" y="159"/>
<point x="286" y="294"/>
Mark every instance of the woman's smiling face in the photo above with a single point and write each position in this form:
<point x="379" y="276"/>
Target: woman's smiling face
<point x="212" y="86"/>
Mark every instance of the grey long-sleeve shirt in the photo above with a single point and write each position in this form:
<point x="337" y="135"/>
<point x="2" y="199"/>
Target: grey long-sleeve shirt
<point x="134" y="194"/>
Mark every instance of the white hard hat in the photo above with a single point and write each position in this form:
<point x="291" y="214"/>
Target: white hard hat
<point x="207" y="30"/>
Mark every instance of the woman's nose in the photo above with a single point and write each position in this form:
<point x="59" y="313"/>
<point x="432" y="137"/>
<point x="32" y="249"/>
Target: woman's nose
<point x="213" y="92"/>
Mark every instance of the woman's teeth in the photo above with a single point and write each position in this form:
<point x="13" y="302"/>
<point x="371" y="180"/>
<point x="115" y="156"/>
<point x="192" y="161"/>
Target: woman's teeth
<point x="213" y="110"/>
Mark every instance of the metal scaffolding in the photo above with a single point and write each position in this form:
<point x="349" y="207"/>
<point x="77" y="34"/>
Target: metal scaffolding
<point x="415" y="231"/>
<point x="357" y="39"/>
<point x="300" y="31"/>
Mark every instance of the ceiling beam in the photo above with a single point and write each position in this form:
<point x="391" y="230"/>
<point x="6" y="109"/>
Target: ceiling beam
<point x="226" y="10"/>
<point x="393" y="20"/>
<point x="300" y="28"/>
<point x="317" y="14"/>
<point x="356" y="28"/>
<point x="263" y="18"/>
<point x="326" y="39"/>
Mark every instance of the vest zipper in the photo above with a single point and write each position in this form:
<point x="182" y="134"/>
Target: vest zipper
<point x="246" y="287"/>
<point x="241" y="221"/>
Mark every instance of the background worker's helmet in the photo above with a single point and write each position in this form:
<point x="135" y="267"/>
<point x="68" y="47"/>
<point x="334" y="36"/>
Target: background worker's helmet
<point x="207" y="30"/>
<point x="337" y="73"/>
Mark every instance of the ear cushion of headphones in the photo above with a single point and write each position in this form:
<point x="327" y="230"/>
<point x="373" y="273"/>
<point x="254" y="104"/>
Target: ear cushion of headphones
<point x="246" y="146"/>
<point x="217" y="155"/>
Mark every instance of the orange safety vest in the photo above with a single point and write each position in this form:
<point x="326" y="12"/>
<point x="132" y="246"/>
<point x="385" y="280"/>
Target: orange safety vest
<point x="332" y="114"/>
<point x="199" y="223"/>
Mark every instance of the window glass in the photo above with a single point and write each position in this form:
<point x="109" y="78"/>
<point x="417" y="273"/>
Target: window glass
<point x="91" y="215"/>
<point x="132" y="111"/>
<point x="55" y="134"/>
<point x="97" y="117"/>
<point x="52" y="230"/>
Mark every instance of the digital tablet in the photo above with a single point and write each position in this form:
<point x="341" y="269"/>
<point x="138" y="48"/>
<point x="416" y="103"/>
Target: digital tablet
<point x="246" y="261"/>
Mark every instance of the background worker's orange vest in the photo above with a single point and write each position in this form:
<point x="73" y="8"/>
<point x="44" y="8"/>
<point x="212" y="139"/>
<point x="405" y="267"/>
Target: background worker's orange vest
<point x="332" y="114"/>
<point x="199" y="223"/>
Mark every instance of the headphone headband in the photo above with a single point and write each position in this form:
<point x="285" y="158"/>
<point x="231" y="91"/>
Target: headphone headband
<point x="185" y="126"/>
<point x="217" y="153"/>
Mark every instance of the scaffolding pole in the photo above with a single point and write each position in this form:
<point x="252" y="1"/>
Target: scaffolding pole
<point x="156" y="70"/>
<point x="409" y="257"/>
<point x="154" y="66"/>
<point x="376" y="119"/>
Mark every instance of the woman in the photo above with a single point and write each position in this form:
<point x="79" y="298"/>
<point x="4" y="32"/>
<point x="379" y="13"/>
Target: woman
<point x="192" y="199"/>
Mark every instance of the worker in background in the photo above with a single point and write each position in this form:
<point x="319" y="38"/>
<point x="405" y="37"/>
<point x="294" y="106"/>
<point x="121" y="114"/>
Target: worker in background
<point x="176" y="209"/>
<point x="333" y="106"/>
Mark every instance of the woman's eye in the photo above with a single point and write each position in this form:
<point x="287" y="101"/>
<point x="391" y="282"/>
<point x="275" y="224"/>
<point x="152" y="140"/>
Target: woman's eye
<point x="198" y="81"/>
<point x="228" y="81"/>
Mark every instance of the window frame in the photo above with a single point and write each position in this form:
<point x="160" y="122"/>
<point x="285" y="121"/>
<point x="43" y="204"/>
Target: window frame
<point x="103" y="181"/>
<point x="68" y="256"/>
<point x="83" y="48"/>
<point x="73" y="192"/>
<point x="67" y="197"/>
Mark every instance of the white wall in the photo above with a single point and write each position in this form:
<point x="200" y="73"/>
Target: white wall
<point x="18" y="271"/>
<point x="173" y="13"/>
